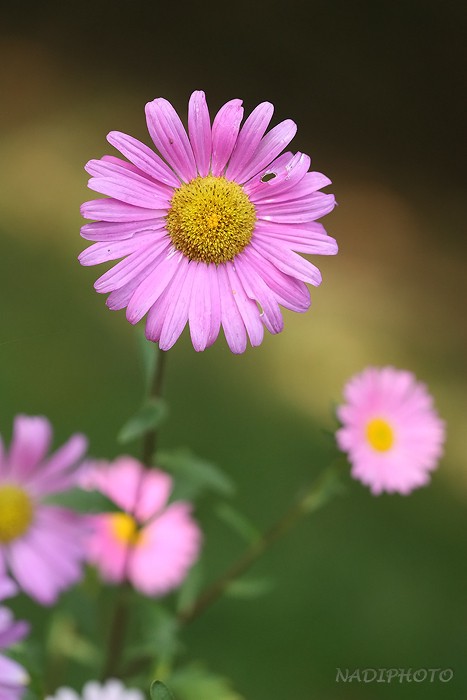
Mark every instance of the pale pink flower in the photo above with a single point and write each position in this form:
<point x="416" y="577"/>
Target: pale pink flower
<point x="13" y="677"/>
<point x="41" y="544"/>
<point x="110" y="690"/>
<point x="150" y="543"/>
<point x="209" y="233"/>
<point x="390" y="430"/>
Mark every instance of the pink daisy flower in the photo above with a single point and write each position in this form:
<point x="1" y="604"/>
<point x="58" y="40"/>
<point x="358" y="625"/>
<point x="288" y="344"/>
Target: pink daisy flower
<point x="151" y="544"/>
<point x="390" y="430"/>
<point x="13" y="677"/>
<point x="41" y="544"/>
<point x="209" y="233"/>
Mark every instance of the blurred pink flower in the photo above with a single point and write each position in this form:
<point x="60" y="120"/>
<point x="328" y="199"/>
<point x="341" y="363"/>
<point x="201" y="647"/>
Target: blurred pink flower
<point x="150" y="543"/>
<point x="41" y="544"/>
<point x="13" y="677"/>
<point x="390" y="430"/>
<point x="208" y="235"/>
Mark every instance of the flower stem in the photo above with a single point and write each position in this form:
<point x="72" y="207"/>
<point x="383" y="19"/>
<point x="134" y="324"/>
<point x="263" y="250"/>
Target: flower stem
<point x="325" y="488"/>
<point x="119" y="623"/>
<point x="155" y="392"/>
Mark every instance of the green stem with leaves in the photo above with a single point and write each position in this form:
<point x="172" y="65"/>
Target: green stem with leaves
<point x="326" y="487"/>
<point x="119" y="623"/>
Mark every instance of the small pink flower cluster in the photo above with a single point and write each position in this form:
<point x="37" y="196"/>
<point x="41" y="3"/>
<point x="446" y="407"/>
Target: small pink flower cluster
<point x="45" y="546"/>
<point x="149" y="543"/>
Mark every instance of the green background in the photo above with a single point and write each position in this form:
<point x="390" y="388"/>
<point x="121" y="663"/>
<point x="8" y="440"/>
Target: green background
<point x="374" y="88"/>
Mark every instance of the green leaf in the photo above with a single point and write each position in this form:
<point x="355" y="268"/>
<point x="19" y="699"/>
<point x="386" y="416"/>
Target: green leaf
<point x="160" y="692"/>
<point x="249" y="587"/>
<point x="83" y="501"/>
<point x="238" y="522"/>
<point x="190" y="588"/>
<point x="195" y="682"/>
<point x="65" y="641"/>
<point x="193" y="475"/>
<point x="155" y="632"/>
<point x="327" y="486"/>
<point x="150" y="416"/>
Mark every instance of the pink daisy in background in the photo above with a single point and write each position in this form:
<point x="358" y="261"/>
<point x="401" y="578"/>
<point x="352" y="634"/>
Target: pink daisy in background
<point x="209" y="233"/>
<point x="41" y="544"/>
<point x="390" y="430"/>
<point x="13" y="677"/>
<point x="150" y="543"/>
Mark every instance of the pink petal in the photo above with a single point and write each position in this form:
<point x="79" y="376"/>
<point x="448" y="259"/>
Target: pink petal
<point x="107" y="251"/>
<point x="247" y="307"/>
<point x="288" y="291"/>
<point x="309" y="184"/>
<point x="120" y="481"/>
<point x="170" y="545"/>
<point x="103" y="167"/>
<point x="114" y="210"/>
<point x="177" y="312"/>
<point x="126" y="269"/>
<point x="280" y="168"/>
<point x="299" y="239"/>
<point x="41" y="568"/>
<point x="143" y="157"/>
<point x="287" y="178"/>
<point x="150" y="289"/>
<point x="224" y="134"/>
<point x="257" y="290"/>
<point x="153" y="495"/>
<point x="199" y="130"/>
<point x="120" y="298"/>
<point x="213" y="291"/>
<point x="200" y="308"/>
<point x="15" y="632"/>
<point x="249" y="138"/>
<point x="109" y="555"/>
<point x="289" y="262"/>
<point x="120" y="231"/>
<point x="170" y="138"/>
<point x="159" y="310"/>
<point x="132" y="189"/>
<point x="11" y="676"/>
<point x="269" y="148"/>
<point x="62" y="462"/>
<point x="31" y="440"/>
<point x="7" y="587"/>
<point x="297" y="211"/>
<point x="232" y="322"/>
<point x="111" y="167"/>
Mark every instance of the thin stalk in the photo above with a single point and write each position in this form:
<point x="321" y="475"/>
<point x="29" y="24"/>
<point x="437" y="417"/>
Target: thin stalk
<point x="326" y="487"/>
<point x="150" y="438"/>
<point x="119" y="622"/>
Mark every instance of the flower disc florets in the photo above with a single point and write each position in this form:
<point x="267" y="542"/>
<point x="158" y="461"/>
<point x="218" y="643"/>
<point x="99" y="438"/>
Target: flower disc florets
<point x="211" y="219"/>
<point x="16" y="512"/>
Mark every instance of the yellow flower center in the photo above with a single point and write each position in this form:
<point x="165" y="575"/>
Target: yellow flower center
<point x="125" y="528"/>
<point x="380" y="434"/>
<point x="211" y="219"/>
<point x="16" y="512"/>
